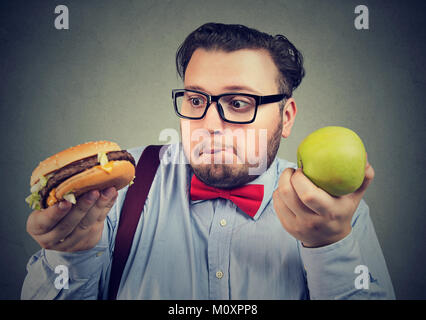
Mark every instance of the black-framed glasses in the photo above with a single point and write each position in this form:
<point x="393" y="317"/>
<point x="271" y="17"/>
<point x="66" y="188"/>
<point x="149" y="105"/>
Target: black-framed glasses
<point x="232" y="107"/>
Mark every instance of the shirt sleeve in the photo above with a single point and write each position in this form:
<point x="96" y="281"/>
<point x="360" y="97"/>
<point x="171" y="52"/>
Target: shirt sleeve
<point x="68" y="275"/>
<point x="352" y="268"/>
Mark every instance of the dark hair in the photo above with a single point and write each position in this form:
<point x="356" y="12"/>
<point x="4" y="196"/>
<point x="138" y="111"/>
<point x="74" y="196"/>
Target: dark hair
<point x="232" y="37"/>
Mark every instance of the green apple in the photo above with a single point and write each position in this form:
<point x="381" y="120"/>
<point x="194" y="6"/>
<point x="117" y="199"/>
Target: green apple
<point x="334" y="159"/>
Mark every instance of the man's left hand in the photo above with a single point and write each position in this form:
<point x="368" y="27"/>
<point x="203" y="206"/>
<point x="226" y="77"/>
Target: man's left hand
<point x="312" y="215"/>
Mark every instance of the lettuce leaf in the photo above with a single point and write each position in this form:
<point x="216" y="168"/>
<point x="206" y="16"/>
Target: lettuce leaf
<point x="102" y="158"/>
<point x="34" y="201"/>
<point x="132" y="182"/>
<point x="40" y="184"/>
<point x="70" y="197"/>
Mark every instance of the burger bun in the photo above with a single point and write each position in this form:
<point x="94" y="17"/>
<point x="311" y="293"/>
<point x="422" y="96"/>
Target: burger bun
<point x="67" y="156"/>
<point x="121" y="175"/>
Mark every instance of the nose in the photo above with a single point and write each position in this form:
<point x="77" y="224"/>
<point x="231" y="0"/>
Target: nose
<point x="212" y="120"/>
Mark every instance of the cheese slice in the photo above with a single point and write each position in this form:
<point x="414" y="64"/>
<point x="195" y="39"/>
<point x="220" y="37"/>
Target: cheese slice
<point x="51" y="199"/>
<point x="106" y="167"/>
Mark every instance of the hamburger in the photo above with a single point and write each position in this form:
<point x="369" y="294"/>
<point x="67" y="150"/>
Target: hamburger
<point x="77" y="170"/>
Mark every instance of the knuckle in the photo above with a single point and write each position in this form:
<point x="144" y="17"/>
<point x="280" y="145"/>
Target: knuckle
<point x="93" y="231"/>
<point x="105" y="202"/>
<point x="34" y="227"/>
<point x="284" y="189"/>
<point x="101" y="218"/>
<point x="85" y="203"/>
<point x="64" y="227"/>
<point x="275" y="195"/>
<point x="307" y="197"/>
<point x="334" y="216"/>
<point x="105" y="205"/>
<point x="110" y="204"/>
<point x="312" y="225"/>
<point x="42" y="227"/>
<point x="83" y="225"/>
<point x="108" y="194"/>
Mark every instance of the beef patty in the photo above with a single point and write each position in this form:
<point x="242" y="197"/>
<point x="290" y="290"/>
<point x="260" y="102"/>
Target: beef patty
<point x="76" y="167"/>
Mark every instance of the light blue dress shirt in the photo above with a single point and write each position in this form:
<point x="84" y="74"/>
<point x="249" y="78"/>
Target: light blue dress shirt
<point x="210" y="249"/>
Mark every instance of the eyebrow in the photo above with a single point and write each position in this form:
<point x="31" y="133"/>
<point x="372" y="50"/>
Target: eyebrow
<point x="227" y="88"/>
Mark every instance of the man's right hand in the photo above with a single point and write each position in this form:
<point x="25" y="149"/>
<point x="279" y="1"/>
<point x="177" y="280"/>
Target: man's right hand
<point x="70" y="228"/>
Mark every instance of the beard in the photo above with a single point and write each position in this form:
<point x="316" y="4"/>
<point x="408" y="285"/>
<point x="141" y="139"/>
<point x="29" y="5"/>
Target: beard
<point x="228" y="176"/>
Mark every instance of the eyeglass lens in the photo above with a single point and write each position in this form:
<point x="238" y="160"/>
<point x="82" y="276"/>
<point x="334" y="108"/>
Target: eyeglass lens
<point x="238" y="108"/>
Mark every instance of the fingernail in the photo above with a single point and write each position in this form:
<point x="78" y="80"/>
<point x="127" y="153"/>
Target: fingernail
<point x="93" y="195"/>
<point x="108" y="192"/>
<point x="63" y="205"/>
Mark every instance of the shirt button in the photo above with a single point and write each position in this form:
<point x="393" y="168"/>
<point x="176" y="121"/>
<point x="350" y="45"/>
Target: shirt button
<point x="219" y="274"/>
<point x="223" y="222"/>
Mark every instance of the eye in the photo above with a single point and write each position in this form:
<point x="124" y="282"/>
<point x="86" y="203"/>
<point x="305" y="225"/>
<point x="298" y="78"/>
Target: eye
<point x="196" y="101"/>
<point x="239" y="104"/>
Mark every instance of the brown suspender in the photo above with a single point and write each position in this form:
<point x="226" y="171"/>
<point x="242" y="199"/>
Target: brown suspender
<point x="130" y="214"/>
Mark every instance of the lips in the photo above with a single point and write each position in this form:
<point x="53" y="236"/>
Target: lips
<point x="216" y="150"/>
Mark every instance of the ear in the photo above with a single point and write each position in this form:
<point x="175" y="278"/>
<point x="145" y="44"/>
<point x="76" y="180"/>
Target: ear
<point x="289" y="115"/>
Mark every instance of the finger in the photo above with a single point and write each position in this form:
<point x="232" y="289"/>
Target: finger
<point x="42" y="221"/>
<point x="81" y="239"/>
<point x="93" y="219"/>
<point x="284" y="185"/>
<point x="368" y="178"/>
<point x="312" y="196"/>
<point x="285" y="176"/>
<point x="70" y="221"/>
<point x="102" y="206"/>
<point x="285" y="215"/>
<point x="289" y="196"/>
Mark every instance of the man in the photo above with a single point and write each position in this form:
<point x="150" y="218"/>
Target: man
<point x="294" y="242"/>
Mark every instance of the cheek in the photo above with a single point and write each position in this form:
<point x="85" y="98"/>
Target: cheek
<point x="260" y="133"/>
<point x="256" y="143"/>
<point x="185" y="132"/>
<point x="192" y="136"/>
<point x="185" y="128"/>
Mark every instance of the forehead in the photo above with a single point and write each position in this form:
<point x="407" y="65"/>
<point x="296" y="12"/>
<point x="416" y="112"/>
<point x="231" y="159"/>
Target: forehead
<point x="215" y="70"/>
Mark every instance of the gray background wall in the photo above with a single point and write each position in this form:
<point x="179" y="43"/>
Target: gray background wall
<point x="110" y="77"/>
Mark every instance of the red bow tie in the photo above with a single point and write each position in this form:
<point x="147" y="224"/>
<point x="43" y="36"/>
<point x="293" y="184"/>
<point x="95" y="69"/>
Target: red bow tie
<point x="248" y="198"/>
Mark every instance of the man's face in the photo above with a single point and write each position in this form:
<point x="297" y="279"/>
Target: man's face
<point x="225" y="154"/>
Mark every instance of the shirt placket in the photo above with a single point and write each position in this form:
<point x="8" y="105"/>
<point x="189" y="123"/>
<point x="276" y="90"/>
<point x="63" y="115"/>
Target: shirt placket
<point x="219" y="249"/>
